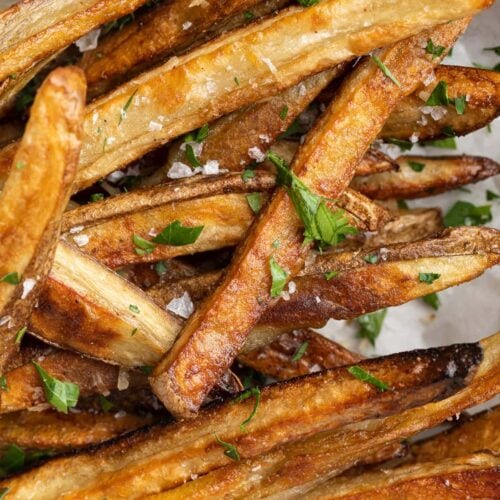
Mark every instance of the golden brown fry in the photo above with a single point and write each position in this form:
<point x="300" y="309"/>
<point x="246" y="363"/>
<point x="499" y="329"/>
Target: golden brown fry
<point x="9" y="131"/>
<point x="58" y="23"/>
<point x="137" y="465"/>
<point x="50" y="430"/>
<point x="482" y="88"/>
<point x="425" y="176"/>
<point x="219" y="204"/>
<point x="159" y="34"/>
<point x="473" y="476"/>
<point x="194" y="89"/>
<point x="326" y="163"/>
<point x="106" y="314"/>
<point x="296" y="468"/>
<point x="276" y="359"/>
<point x="34" y="197"/>
<point x="476" y="433"/>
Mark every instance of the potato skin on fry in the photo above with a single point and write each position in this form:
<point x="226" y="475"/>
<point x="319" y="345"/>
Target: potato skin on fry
<point x="334" y="397"/>
<point x="35" y="195"/>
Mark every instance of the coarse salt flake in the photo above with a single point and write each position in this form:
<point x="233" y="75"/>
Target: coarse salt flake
<point x="154" y="126"/>
<point x="76" y="229"/>
<point x="179" y="170"/>
<point x="89" y="41"/>
<point x="187" y="25"/>
<point x="28" y="285"/>
<point x="182" y="306"/>
<point x="269" y="64"/>
<point x="256" y="154"/>
<point x="123" y="380"/>
<point x="211" y="167"/>
<point x="81" y="239"/>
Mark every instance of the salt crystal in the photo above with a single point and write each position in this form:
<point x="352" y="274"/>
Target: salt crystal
<point x="269" y="64"/>
<point x="153" y="232"/>
<point x="292" y="287"/>
<point x="256" y="154"/>
<point x="182" y="306"/>
<point x="302" y="89"/>
<point x="414" y="138"/>
<point x="5" y="319"/>
<point x="81" y="239"/>
<point x="315" y="368"/>
<point x="187" y="25"/>
<point x="28" y="285"/>
<point x="120" y="414"/>
<point x="318" y="300"/>
<point x="451" y="369"/>
<point x="123" y="380"/>
<point x="76" y="229"/>
<point x="154" y="126"/>
<point x="436" y="112"/>
<point x="211" y="167"/>
<point x="196" y="146"/>
<point x="89" y="41"/>
<point x="179" y="170"/>
<point x="211" y="86"/>
<point x="265" y="138"/>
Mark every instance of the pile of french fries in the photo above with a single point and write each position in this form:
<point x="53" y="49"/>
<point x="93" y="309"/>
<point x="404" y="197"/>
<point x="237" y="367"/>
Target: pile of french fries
<point x="188" y="188"/>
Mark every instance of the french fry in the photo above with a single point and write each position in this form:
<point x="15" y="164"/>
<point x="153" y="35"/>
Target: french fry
<point x="473" y="475"/>
<point x="297" y="468"/>
<point x="425" y="176"/>
<point x="50" y="430"/>
<point x="326" y="163"/>
<point x="59" y="23"/>
<point x="219" y="204"/>
<point x="482" y="88"/>
<point x="334" y="397"/>
<point x="137" y="117"/>
<point x="276" y="360"/>
<point x="34" y="197"/>
<point x="160" y="33"/>
<point x="476" y="433"/>
<point x="104" y="332"/>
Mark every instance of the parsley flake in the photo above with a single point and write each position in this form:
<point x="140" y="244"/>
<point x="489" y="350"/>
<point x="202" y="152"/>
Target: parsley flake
<point x="447" y="143"/>
<point x="247" y="175"/>
<point x="124" y="110"/>
<point x="176" y="234"/>
<point x="385" y="70"/>
<point x="20" y="165"/>
<point x="371" y="258"/>
<point x="428" y="278"/>
<point x="134" y="308"/>
<point x="248" y="16"/>
<point x="307" y="3"/>
<point x="236" y="81"/>
<point x="496" y="50"/>
<point x="146" y="369"/>
<point x="142" y="246"/>
<point x="416" y="166"/>
<point x="371" y="325"/>
<point x="12" y="460"/>
<point x="330" y="275"/>
<point x="490" y="195"/>
<point x="439" y="96"/>
<point x="278" y="276"/>
<point x="255" y="393"/>
<point x="20" y="334"/>
<point x="364" y="376"/>
<point x="229" y="449"/>
<point x="463" y="213"/>
<point x="432" y="300"/>
<point x="402" y="204"/>
<point x="191" y="157"/>
<point x="299" y="353"/>
<point x="61" y="395"/>
<point x="96" y="197"/>
<point x="254" y="202"/>
<point x="401" y="144"/>
<point x="434" y="50"/>
<point x="11" y="278"/>
<point x="3" y="383"/>
<point x="460" y="104"/>
<point x="160" y="268"/>
<point x="284" y="112"/>
<point x="105" y="404"/>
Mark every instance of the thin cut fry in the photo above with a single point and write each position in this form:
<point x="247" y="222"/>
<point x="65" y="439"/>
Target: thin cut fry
<point x="276" y="360"/>
<point x="58" y="23"/>
<point x="459" y="255"/>
<point x="50" y="430"/>
<point x="137" y="465"/>
<point x="34" y="197"/>
<point x="219" y="204"/>
<point x="164" y="31"/>
<point x="420" y="176"/>
<point x="326" y="163"/>
<point x="296" y="468"/>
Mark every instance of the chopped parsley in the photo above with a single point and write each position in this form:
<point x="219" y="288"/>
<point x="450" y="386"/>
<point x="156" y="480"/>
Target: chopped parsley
<point x="191" y="157"/>
<point x="321" y="224"/>
<point x="160" y="268"/>
<point x="133" y="332"/>
<point x="142" y="246"/>
<point x="463" y="213"/>
<point x="278" y="276"/>
<point x="254" y="392"/>
<point x="416" y="166"/>
<point x="447" y="143"/>
<point x="434" y="50"/>
<point x="96" y="197"/>
<point x="428" y="278"/>
<point x="284" y="112"/>
<point x="247" y="174"/>
<point x="490" y="195"/>
<point x="371" y="325"/>
<point x="496" y="50"/>
<point x="295" y="128"/>
<point x="199" y="136"/>
<point x="403" y="205"/>
<point x="61" y="395"/>
<point x="124" y="110"/>
<point x="105" y="404"/>
<point x="20" y="334"/>
<point x="331" y="274"/>
<point x="385" y="70"/>
<point x="236" y="81"/>
<point x="134" y="308"/>
<point x="248" y="16"/>
<point x="178" y="235"/>
<point x="12" y="460"/>
<point x="229" y="449"/>
<point x="11" y="278"/>
<point x="460" y="105"/>
<point x="3" y="383"/>
<point x="20" y="165"/>
<point x="401" y="144"/>
<point x="364" y="376"/>
<point x="439" y="97"/>
<point x="146" y="369"/>
<point x="432" y="300"/>
<point x="371" y="258"/>
<point x="254" y="202"/>
<point x="307" y="3"/>
<point x="299" y="353"/>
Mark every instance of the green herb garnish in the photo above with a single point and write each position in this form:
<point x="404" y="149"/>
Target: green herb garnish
<point x="434" y="50"/>
<point x="428" y="278"/>
<point x="401" y="144"/>
<point x="364" y="376"/>
<point x="3" y="383"/>
<point x="371" y="258"/>
<point x="20" y="334"/>
<point x="142" y="246"/>
<point x="11" y="278"/>
<point x="496" y="50"/>
<point x="105" y="404"/>
<point x="432" y="300"/>
<point x="124" y="110"/>
<point x="96" y="197"/>
<point x="178" y="235"/>
<point x="490" y="195"/>
<point x="284" y="112"/>
<point x="448" y="143"/>
<point x="134" y="308"/>
<point x="247" y="175"/>
<point x="299" y="353"/>
<point x="278" y="276"/>
<point x="254" y="392"/>
<point x="191" y="157"/>
<point x="160" y="268"/>
<point x="229" y="449"/>
<point x="463" y="213"/>
<point x="385" y="70"/>
<point x="254" y="202"/>
<point x="416" y="166"/>
<point x="331" y="274"/>
<point x="371" y="325"/>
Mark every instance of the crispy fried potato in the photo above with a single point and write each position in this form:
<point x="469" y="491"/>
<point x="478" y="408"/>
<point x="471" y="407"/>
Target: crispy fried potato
<point x="482" y="87"/>
<point x="476" y="433"/>
<point x="276" y="359"/>
<point x="162" y="33"/>
<point x="203" y="89"/>
<point x="439" y="174"/>
<point x="34" y="197"/>
<point x="219" y="204"/>
<point x="9" y="131"/>
<point x="469" y="476"/>
<point x="296" y="468"/>
<point x="137" y="465"/>
<point x="99" y="307"/>
<point x="58" y="23"/>
<point x="326" y="163"/>
<point x="50" y="430"/>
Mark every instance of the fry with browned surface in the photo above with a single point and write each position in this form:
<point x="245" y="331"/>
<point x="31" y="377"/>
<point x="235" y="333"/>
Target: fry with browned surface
<point x="325" y="163"/>
<point x="137" y="465"/>
<point x="34" y="197"/>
